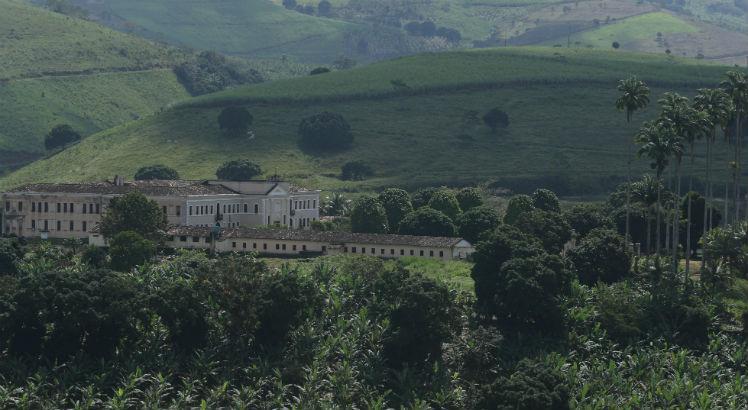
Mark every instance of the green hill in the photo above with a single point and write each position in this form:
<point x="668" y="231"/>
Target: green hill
<point x="415" y="120"/>
<point x="58" y="69"/>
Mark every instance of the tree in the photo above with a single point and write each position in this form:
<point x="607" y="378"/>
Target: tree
<point x="694" y="204"/>
<point x="546" y="200"/>
<point x="422" y="197"/>
<point x="210" y="72"/>
<point x="427" y="222"/>
<point x="530" y="386"/>
<point x="290" y="4"/>
<point x="129" y="249"/>
<point x="445" y="201"/>
<point x="634" y="97"/>
<point x="355" y="171"/>
<point x="617" y="45"/>
<point x="133" y="212"/>
<point x="336" y="205"/>
<point x="325" y="132"/>
<point x="396" y="203"/>
<point x="368" y="216"/>
<point x="450" y="34"/>
<point x="736" y="86"/>
<point x="324" y="8"/>
<point x="94" y="256"/>
<point x="10" y="255"/>
<point x="551" y="228"/>
<point x="156" y="172"/>
<point x="319" y="70"/>
<point x="469" y="198"/>
<point x="495" y="119"/>
<point x="517" y="206"/>
<point x="235" y="121"/>
<point x="583" y="218"/>
<point x="60" y="136"/>
<point x="474" y="223"/>
<point x="238" y="170"/>
<point x="599" y="257"/>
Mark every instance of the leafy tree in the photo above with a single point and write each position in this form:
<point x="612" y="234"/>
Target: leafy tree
<point x="60" y="314"/>
<point x="469" y="198"/>
<point x="181" y="307"/>
<point x="133" y="212"/>
<point x="530" y="386"/>
<point x="616" y="45"/>
<point x="324" y="8"/>
<point x="60" y="136"/>
<point x="413" y="28"/>
<point x="445" y="201"/>
<point x="495" y="119"/>
<point x="235" y="121"/>
<point x="290" y="4"/>
<point x="325" y="132"/>
<point x="422" y="197"/>
<point x="551" y="228"/>
<point x="238" y="170"/>
<point x="427" y="221"/>
<point x="599" y="257"/>
<point x="518" y="205"/>
<point x="355" y="171"/>
<point x="129" y="249"/>
<point x="478" y="221"/>
<point x="10" y="255"/>
<point x="210" y="72"/>
<point x="336" y="205"/>
<point x="94" y="256"/>
<point x="396" y="203"/>
<point x="698" y="203"/>
<point x="156" y="172"/>
<point x="319" y="70"/>
<point x="452" y="35"/>
<point x="583" y="218"/>
<point x="428" y="29"/>
<point x="546" y="200"/>
<point x="368" y="216"/>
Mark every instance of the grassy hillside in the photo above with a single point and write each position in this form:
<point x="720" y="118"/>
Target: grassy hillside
<point x="560" y="104"/>
<point x="57" y="69"/>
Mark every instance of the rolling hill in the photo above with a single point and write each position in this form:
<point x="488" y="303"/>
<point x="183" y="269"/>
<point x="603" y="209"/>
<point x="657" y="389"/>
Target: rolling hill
<point x="58" y="69"/>
<point x="416" y="121"/>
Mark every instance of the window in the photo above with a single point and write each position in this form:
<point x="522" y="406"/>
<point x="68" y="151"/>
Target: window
<point x="411" y="252"/>
<point x="402" y="252"/>
<point x="59" y="207"/>
<point x="190" y="211"/>
<point x="233" y="244"/>
<point x="7" y="206"/>
<point x="303" y="248"/>
<point x="244" y="245"/>
<point x="211" y="209"/>
<point x="33" y="207"/>
<point x="84" y="208"/>
<point x="392" y="251"/>
<point x="72" y="208"/>
<point x="431" y="253"/>
<point x="373" y="251"/>
<point x="164" y="209"/>
<point x="324" y="249"/>
<point x="284" y="246"/>
<point x="46" y="207"/>
<point x="277" y="246"/>
<point x="293" y="247"/>
<point x="420" y="253"/>
<point x="246" y="208"/>
<point x="381" y="251"/>
<point x="33" y="224"/>
<point x="224" y="208"/>
<point x="46" y="225"/>
<point x="290" y="222"/>
<point x="179" y="210"/>
<point x="284" y="219"/>
<point x="268" y="219"/>
<point x="363" y="249"/>
<point x="59" y="225"/>
<point x="183" y="238"/>
<point x="264" y="246"/>
<point x="90" y="208"/>
<point x="20" y="206"/>
<point x="72" y="225"/>
<point x="98" y="209"/>
<point x="353" y="249"/>
<point x="85" y="227"/>
<point x="254" y="245"/>
<point x="314" y="204"/>
<point x="195" y="239"/>
<point x="441" y="254"/>
<point x="65" y="207"/>
<point x="257" y="209"/>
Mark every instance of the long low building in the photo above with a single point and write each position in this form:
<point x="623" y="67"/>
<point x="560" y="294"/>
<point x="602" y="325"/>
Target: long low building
<point x="289" y="242"/>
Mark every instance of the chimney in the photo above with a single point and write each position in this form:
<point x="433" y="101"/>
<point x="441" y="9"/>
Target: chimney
<point x="119" y="180"/>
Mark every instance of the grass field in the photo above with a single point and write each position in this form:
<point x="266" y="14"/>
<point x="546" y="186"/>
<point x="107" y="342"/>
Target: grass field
<point x="560" y="104"/>
<point x="253" y="28"/>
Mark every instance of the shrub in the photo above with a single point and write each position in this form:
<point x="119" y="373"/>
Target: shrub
<point x="94" y="257"/>
<point x="427" y="222"/>
<point x="602" y="256"/>
<point x="620" y="311"/>
<point x="60" y="136"/>
<point x="128" y="249"/>
<point x="238" y="170"/>
<point x="396" y="203"/>
<point x="546" y="200"/>
<point x="209" y="72"/>
<point x="478" y="221"/>
<point x="156" y="172"/>
<point x="235" y="121"/>
<point x="319" y="70"/>
<point x="355" y="171"/>
<point x="10" y="255"/>
<point x="368" y="216"/>
<point x="445" y="201"/>
<point x="530" y="386"/>
<point x="495" y="119"/>
<point x="325" y="132"/>
<point x="469" y="198"/>
<point x="517" y="206"/>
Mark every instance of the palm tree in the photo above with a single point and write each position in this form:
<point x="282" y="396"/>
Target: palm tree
<point x="655" y="139"/>
<point x="644" y="192"/>
<point x="718" y="108"/>
<point x="634" y="96"/>
<point x="736" y="86"/>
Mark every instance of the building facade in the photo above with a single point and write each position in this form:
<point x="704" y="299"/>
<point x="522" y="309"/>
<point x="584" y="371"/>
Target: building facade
<point x="74" y="210"/>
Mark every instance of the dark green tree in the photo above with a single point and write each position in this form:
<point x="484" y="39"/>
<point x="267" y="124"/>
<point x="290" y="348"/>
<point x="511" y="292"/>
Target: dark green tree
<point x="530" y="386"/>
<point x="324" y="8"/>
<point x="10" y="255"/>
<point x="518" y="205"/>
<point x="445" y="201"/>
<point x="546" y="200"/>
<point x="427" y="222"/>
<point x="550" y="227"/>
<point x="469" y="198"/>
<point x="60" y="136"/>
<point x="129" y="249"/>
<point x="476" y="222"/>
<point x="368" y="216"/>
<point x="319" y="70"/>
<point x="495" y="119"/>
<point x="94" y="257"/>
<point x="325" y="132"/>
<point x="585" y="217"/>
<point x="355" y="171"/>
<point x="422" y="197"/>
<point x="238" y="170"/>
<point x="396" y="203"/>
<point x="599" y="257"/>
<point x="156" y="172"/>
<point x="133" y="212"/>
<point x="235" y="121"/>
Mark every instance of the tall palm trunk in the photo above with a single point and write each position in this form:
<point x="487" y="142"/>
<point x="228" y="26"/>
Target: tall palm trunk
<point x="659" y="213"/>
<point x="668" y="227"/>
<point x="736" y="173"/>
<point x="649" y="230"/>
<point x="688" y="216"/>
<point x="628" y="187"/>
<point x="675" y="217"/>
<point x="708" y="189"/>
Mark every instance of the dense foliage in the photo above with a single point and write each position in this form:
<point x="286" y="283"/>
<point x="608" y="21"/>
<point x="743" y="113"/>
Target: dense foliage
<point x="427" y="221"/>
<point x="445" y="201"/>
<point x="156" y="172"/>
<point x="478" y="221"/>
<point x="326" y="131"/>
<point x="397" y="204"/>
<point x="235" y="121"/>
<point x="60" y="136"/>
<point x="355" y="171"/>
<point x="209" y="72"/>
<point x="133" y="212"/>
<point x="368" y="216"/>
<point x="238" y="170"/>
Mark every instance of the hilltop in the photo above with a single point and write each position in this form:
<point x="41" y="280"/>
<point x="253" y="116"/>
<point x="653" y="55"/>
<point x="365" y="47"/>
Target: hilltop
<point x="416" y="121"/>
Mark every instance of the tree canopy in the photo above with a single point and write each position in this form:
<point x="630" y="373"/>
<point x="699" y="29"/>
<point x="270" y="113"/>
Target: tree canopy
<point x="476" y="222"/>
<point x="156" y="172"/>
<point x="326" y="131"/>
<point x="427" y="221"/>
<point x="396" y="203"/>
<point x="60" y="136"/>
<point x="133" y="212"/>
<point x="445" y="201"/>
<point x="235" y="121"/>
<point x="238" y="170"/>
<point x="368" y="216"/>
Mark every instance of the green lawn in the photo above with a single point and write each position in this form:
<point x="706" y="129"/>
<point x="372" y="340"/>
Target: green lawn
<point x="560" y="104"/>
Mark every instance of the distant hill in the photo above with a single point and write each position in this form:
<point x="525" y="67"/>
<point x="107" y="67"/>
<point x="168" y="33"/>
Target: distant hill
<point x="58" y="69"/>
<point x="416" y="121"/>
